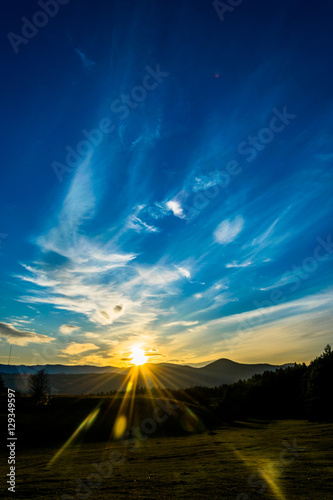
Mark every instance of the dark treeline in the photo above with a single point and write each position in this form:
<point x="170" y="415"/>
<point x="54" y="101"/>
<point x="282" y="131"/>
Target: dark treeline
<point x="299" y="391"/>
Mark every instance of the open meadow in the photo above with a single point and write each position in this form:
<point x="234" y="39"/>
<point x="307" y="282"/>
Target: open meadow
<point x="281" y="459"/>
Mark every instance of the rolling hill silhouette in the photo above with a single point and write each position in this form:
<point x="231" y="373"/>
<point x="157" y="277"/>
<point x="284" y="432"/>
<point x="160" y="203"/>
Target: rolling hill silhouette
<point x="85" y="379"/>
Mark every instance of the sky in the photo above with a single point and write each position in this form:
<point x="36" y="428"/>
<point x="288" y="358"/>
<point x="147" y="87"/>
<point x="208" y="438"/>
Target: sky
<point x="166" y="181"/>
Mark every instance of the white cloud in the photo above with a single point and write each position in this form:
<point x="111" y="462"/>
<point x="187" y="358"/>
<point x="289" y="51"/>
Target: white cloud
<point x="123" y="292"/>
<point x="182" y="323"/>
<point x="76" y="348"/>
<point x="158" y="210"/>
<point x="91" y="335"/>
<point x="67" y="329"/>
<point x="21" y="321"/>
<point x="221" y="285"/>
<point x="228" y="230"/>
<point x="38" y="277"/>
<point x="22" y="337"/>
<point x="270" y="313"/>
<point x="239" y="264"/>
<point x="93" y="277"/>
<point x="250" y="335"/>
<point x="184" y="272"/>
<point x="158" y="275"/>
<point x="94" y="359"/>
<point x="205" y="182"/>
<point x="176" y="208"/>
<point x="100" y="337"/>
<point x="141" y="226"/>
<point x="215" y="296"/>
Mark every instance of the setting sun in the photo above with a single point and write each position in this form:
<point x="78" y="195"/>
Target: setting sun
<point x="138" y="356"/>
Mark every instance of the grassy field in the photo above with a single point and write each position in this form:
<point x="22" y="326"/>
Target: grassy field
<point x="267" y="460"/>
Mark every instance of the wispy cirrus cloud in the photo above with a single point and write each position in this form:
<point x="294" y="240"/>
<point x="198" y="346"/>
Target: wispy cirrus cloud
<point x="202" y="182"/>
<point x="248" y="321"/>
<point x="87" y="63"/>
<point x="235" y="264"/>
<point x="266" y="237"/>
<point x="250" y="334"/>
<point x="181" y="323"/>
<point x="141" y="226"/>
<point x="94" y="278"/>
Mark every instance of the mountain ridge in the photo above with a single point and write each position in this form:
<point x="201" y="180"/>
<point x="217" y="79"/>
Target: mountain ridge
<point x="82" y="369"/>
<point x="88" y="379"/>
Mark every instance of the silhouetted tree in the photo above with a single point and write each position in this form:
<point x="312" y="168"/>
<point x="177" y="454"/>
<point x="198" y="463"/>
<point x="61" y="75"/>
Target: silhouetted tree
<point x="318" y="386"/>
<point x="297" y="391"/>
<point x="39" y="385"/>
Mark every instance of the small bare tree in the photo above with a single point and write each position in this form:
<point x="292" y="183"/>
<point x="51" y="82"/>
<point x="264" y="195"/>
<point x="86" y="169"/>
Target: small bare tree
<point x="39" y="385"/>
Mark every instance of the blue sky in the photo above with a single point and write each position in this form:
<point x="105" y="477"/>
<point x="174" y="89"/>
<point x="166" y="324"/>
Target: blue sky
<point x="166" y="181"/>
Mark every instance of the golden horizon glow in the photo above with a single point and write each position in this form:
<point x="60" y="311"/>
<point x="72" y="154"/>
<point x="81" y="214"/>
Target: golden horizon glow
<point x="138" y="356"/>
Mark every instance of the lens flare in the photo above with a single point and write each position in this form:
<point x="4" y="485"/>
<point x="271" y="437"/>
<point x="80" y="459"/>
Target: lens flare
<point x="87" y="422"/>
<point x="119" y="426"/>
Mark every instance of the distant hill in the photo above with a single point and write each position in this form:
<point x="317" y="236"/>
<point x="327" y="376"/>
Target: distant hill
<point x="87" y="379"/>
<point x="55" y="369"/>
<point x="232" y="371"/>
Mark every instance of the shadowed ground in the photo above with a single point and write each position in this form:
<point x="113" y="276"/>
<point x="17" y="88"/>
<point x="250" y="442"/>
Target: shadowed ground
<point x="267" y="460"/>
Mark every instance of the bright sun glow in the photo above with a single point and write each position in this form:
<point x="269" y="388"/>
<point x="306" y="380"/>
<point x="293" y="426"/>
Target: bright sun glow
<point x="138" y="356"/>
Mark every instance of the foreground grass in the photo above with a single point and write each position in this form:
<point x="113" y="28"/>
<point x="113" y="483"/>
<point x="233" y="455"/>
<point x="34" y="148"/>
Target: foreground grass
<point x="246" y="461"/>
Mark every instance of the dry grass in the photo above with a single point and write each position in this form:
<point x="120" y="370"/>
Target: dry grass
<point x="219" y="465"/>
